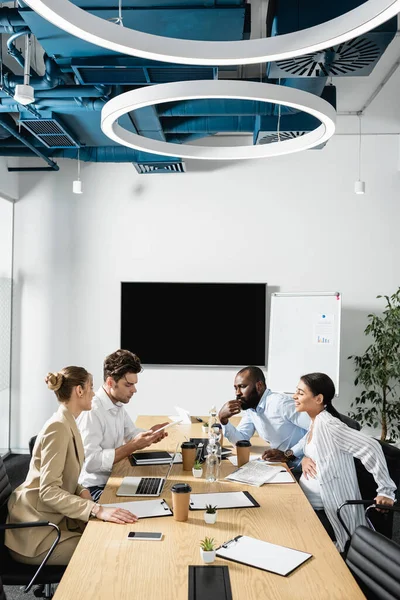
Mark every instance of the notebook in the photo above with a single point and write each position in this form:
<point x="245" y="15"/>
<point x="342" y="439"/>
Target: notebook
<point x="144" y="486"/>
<point x="160" y="457"/>
<point x="263" y="555"/>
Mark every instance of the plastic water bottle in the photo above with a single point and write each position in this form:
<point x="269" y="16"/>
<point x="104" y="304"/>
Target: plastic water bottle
<point x="212" y="460"/>
<point x="212" y="419"/>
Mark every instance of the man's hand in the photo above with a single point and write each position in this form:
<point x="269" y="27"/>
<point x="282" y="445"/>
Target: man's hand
<point x="309" y="468"/>
<point x="146" y="438"/>
<point x="233" y="407"/>
<point x="383" y="500"/>
<point x="163" y="433"/>
<point x="274" y="455"/>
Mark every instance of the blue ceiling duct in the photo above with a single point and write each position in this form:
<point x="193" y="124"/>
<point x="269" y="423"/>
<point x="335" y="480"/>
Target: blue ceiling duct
<point x="80" y="77"/>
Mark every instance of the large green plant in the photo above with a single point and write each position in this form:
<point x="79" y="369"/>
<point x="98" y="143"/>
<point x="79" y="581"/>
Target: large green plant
<point x="378" y="371"/>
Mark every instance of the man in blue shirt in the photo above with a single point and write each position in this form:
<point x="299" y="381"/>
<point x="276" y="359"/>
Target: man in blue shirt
<point x="272" y="415"/>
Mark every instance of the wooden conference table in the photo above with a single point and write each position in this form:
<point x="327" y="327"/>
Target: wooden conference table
<point x="108" y="566"/>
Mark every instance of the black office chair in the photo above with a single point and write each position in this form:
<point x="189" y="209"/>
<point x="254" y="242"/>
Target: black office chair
<point x="382" y="522"/>
<point x="373" y="559"/>
<point x="16" y="573"/>
<point x="350" y="422"/>
<point x="2" y="592"/>
<point x="31" y="444"/>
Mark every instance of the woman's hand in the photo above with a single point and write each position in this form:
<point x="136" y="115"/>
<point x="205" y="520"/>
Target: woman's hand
<point x="115" y="515"/>
<point x="383" y="500"/>
<point x="309" y="468"/>
<point x="85" y="494"/>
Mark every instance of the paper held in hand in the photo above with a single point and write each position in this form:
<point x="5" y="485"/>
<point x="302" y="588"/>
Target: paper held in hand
<point x="255" y="472"/>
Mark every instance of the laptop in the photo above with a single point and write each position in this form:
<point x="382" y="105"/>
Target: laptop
<point x="145" y="486"/>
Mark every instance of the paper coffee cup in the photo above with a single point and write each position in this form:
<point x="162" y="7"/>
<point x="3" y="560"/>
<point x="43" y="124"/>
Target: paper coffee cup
<point x="188" y="455"/>
<point x="243" y="452"/>
<point x="180" y="501"/>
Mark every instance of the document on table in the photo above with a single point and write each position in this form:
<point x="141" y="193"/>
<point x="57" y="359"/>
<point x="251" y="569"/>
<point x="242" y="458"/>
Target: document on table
<point x="262" y="555"/>
<point x="233" y="458"/>
<point x="145" y="509"/>
<point x="255" y="473"/>
<point x="223" y="500"/>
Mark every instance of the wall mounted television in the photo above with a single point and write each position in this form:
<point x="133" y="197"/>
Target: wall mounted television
<point x="199" y="324"/>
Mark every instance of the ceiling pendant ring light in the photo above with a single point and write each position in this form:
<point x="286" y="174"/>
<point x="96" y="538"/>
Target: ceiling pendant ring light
<point x="227" y="89"/>
<point x="91" y="28"/>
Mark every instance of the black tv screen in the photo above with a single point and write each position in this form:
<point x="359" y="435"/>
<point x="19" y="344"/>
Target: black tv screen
<point x="215" y="324"/>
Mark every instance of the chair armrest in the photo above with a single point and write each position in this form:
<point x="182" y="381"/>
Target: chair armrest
<point x="369" y="504"/>
<point x="4" y="526"/>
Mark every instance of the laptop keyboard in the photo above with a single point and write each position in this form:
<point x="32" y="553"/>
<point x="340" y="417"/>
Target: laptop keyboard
<point x="149" y="485"/>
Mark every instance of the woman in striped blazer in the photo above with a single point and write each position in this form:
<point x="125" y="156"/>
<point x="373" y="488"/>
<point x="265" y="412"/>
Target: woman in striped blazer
<point x="329" y="475"/>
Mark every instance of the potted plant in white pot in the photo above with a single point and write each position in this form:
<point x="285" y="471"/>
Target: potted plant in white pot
<point x="207" y="550"/>
<point x="210" y="515"/>
<point x="378" y="372"/>
<point x="197" y="469"/>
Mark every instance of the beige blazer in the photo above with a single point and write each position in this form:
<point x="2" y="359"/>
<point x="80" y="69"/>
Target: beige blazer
<point x="51" y="490"/>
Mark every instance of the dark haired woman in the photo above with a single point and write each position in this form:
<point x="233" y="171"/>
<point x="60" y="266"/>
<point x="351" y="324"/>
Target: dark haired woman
<point x="51" y="491"/>
<point x="329" y="475"/>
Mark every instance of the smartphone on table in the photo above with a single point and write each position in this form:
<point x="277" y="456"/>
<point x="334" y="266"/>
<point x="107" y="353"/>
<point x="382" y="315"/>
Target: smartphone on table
<point x="151" y="536"/>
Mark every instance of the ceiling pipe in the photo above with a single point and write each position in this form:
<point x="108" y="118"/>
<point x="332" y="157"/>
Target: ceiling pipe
<point x="6" y="124"/>
<point x="12" y="50"/>
<point x="52" y="77"/>
<point x="8" y="105"/>
<point x="107" y="154"/>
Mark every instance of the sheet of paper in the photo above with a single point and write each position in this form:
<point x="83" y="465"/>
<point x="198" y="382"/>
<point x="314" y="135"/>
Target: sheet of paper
<point x="144" y="508"/>
<point x="181" y="414"/>
<point x="324" y="329"/>
<point x="220" y="500"/>
<point x="282" y="477"/>
<point x="264" y="555"/>
<point x="233" y="458"/>
<point x="256" y="472"/>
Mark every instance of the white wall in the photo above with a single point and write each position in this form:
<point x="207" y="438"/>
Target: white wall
<point x="6" y="229"/>
<point x="8" y="181"/>
<point x="292" y="222"/>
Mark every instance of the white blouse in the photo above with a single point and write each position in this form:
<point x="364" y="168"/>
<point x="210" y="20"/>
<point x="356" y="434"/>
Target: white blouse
<point x="312" y="486"/>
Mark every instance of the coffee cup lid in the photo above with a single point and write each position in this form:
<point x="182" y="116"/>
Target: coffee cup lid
<point x="181" y="488"/>
<point x="243" y="444"/>
<point x="188" y="445"/>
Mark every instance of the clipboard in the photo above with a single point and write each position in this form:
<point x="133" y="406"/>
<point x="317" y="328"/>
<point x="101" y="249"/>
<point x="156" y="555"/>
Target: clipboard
<point x="145" y="509"/>
<point x="223" y="500"/>
<point x="262" y="555"/>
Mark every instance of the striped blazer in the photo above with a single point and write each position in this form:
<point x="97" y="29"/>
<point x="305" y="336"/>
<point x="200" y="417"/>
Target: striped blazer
<point x="336" y="445"/>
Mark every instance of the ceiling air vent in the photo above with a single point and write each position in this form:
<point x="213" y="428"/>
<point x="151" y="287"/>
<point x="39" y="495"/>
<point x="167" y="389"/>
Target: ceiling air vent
<point x="272" y="137"/>
<point x="50" y="131"/>
<point x="160" y="167"/>
<point x="356" y="57"/>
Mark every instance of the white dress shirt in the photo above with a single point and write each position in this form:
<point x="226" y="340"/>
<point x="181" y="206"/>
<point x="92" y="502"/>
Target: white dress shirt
<point x="104" y="428"/>
<point x="276" y="421"/>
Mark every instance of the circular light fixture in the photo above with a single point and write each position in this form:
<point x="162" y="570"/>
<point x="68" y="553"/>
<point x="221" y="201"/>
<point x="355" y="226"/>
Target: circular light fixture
<point x="124" y="40"/>
<point x="242" y="90"/>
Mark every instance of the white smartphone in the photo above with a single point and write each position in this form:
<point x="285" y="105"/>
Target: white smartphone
<point x="151" y="536"/>
<point x="168" y="425"/>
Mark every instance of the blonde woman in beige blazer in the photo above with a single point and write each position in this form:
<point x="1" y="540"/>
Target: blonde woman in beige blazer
<point x="51" y="491"/>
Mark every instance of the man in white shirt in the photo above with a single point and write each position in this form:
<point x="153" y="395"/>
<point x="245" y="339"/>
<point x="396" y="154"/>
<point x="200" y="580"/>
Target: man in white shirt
<point x="108" y="433"/>
<point x="272" y="415"/>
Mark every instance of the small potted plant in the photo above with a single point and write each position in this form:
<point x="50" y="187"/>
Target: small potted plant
<point x="210" y="516"/>
<point x="204" y="427"/>
<point x="207" y="550"/>
<point x="197" y="469"/>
